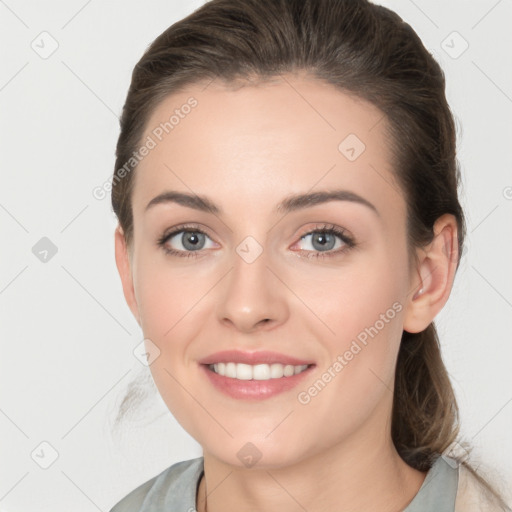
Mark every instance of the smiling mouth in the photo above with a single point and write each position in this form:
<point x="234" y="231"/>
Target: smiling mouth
<point x="241" y="371"/>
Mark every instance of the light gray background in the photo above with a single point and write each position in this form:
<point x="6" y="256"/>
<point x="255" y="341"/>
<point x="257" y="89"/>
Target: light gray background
<point x="66" y="332"/>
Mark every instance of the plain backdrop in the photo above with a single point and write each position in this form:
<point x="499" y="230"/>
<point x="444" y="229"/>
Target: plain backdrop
<point x="67" y="334"/>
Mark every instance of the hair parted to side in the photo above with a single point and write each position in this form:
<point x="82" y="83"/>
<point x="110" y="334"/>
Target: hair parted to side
<point x="367" y="51"/>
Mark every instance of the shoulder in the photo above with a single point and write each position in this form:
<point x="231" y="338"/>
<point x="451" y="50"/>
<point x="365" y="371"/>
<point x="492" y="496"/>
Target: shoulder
<point x="474" y="496"/>
<point x="178" y="480"/>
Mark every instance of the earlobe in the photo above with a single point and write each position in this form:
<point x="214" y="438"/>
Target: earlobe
<point x="435" y="274"/>
<point x="124" y="265"/>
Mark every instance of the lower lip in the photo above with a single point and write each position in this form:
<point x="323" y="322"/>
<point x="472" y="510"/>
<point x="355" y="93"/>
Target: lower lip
<point x="254" y="389"/>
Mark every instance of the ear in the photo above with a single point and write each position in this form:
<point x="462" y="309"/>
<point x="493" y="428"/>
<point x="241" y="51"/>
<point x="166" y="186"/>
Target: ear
<point x="435" y="273"/>
<point x="124" y="264"/>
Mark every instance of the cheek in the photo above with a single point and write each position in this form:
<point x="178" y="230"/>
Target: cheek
<point x="169" y="303"/>
<point x="165" y="296"/>
<point x="352" y="299"/>
<point x="362" y="309"/>
<point x="361" y="313"/>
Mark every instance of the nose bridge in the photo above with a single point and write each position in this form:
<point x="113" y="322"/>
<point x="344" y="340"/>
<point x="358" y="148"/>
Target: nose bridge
<point x="251" y="295"/>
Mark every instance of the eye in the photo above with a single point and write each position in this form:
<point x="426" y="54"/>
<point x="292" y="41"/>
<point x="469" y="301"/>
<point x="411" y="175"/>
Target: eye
<point x="184" y="241"/>
<point x="189" y="241"/>
<point x="327" y="241"/>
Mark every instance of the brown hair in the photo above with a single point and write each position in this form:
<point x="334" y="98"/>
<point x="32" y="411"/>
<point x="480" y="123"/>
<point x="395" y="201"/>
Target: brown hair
<point x="365" y="50"/>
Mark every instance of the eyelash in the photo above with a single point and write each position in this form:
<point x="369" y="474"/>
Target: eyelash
<point x="324" y="229"/>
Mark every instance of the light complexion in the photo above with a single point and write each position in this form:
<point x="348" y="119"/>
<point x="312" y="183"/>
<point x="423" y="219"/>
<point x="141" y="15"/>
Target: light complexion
<point x="249" y="150"/>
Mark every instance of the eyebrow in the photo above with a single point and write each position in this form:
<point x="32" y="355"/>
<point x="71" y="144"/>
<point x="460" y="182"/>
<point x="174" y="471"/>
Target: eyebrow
<point x="289" y="204"/>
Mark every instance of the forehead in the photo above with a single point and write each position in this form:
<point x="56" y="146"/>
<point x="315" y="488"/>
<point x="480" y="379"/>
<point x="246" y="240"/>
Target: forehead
<point x="289" y="134"/>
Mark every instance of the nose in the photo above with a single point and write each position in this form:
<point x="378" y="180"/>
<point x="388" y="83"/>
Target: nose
<point x="252" y="297"/>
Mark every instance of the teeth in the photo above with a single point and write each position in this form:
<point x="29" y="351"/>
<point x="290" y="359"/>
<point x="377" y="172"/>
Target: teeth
<point x="256" y="372"/>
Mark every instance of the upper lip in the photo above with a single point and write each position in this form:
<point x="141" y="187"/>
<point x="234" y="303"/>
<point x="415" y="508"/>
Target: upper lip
<point x="252" y="358"/>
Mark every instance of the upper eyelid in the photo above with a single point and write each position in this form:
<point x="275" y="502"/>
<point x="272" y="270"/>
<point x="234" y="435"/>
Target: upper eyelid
<point x="186" y="228"/>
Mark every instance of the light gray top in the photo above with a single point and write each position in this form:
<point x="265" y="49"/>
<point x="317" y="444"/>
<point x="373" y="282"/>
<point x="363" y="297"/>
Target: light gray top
<point x="175" y="489"/>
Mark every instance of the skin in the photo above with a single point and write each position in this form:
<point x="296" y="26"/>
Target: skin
<point x="247" y="149"/>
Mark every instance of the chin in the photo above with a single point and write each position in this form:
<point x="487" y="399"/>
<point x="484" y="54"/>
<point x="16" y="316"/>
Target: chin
<point x="253" y="452"/>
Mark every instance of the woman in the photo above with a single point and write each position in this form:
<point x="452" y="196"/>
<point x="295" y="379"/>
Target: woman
<point x="289" y="227"/>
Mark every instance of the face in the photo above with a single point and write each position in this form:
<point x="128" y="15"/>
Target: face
<point x="321" y="282"/>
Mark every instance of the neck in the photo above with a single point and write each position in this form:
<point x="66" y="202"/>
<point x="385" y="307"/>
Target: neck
<point x="356" y="474"/>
